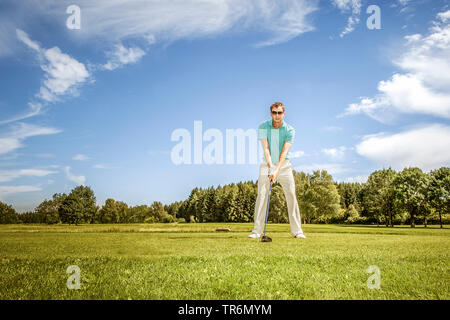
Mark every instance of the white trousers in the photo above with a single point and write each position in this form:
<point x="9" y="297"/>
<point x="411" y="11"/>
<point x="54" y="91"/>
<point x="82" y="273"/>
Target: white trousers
<point x="286" y="179"/>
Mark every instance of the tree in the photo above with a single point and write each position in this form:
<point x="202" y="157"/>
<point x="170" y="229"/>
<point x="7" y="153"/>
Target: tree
<point x="302" y="183"/>
<point x="219" y="200"/>
<point x="157" y="212"/>
<point x="49" y="211"/>
<point x="410" y="188"/>
<point x="278" y="209"/>
<point x="8" y="214"/>
<point x="379" y="197"/>
<point x="182" y="210"/>
<point x="109" y="212"/>
<point x="323" y="196"/>
<point x="122" y="210"/>
<point x="173" y="208"/>
<point x="193" y="205"/>
<point x="439" y="191"/>
<point x="348" y="193"/>
<point x="79" y="206"/>
<point x="27" y="217"/>
<point x="138" y="213"/>
<point x="351" y="214"/>
<point x="306" y="199"/>
<point x="247" y="197"/>
<point x="231" y="203"/>
<point x="71" y="210"/>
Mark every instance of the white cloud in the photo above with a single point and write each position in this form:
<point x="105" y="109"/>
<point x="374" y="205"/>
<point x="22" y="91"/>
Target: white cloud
<point x="444" y="16"/>
<point x="79" y="180"/>
<point x="331" y="168"/>
<point x="80" y="157"/>
<point x="35" y="110"/>
<point x="122" y="56"/>
<point x="62" y="76"/>
<point x="350" y="26"/>
<point x="13" y="139"/>
<point x="9" y="144"/>
<point x="424" y="85"/>
<point x="345" y="6"/>
<point x="6" y="190"/>
<point x="23" y="36"/>
<point x="152" y="21"/>
<point x="426" y="147"/>
<point x="335" y="153"/>
<point x="296" y="154"/>
<point x="24" y="130"/>
<point x="8" y="175"/>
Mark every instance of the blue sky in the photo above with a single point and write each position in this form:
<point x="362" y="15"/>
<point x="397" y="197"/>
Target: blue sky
<point x="97" y="105"/>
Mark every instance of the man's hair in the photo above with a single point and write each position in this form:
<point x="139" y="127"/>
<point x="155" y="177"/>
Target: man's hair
<point x="276" y="105"/>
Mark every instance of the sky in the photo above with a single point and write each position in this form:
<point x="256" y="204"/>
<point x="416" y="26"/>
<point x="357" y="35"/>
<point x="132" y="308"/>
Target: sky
<point x="105" y="94"/>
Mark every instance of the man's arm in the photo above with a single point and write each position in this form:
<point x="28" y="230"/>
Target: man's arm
<point x="284" y="151"/>
<point x="287" y="145"/>
<point x="265" y="145"/>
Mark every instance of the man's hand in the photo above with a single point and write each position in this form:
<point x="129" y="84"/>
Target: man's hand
<point x="273" y="173"/>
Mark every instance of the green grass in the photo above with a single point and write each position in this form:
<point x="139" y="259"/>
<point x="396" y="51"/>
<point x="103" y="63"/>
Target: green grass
<point x="193" y="261"/>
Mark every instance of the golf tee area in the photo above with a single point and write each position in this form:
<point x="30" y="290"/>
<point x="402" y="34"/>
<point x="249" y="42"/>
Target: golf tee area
<point x="194" y="261"/>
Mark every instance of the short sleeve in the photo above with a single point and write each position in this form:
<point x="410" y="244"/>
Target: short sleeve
<point x="290" y="135"/>
<point x="262" y="131"/>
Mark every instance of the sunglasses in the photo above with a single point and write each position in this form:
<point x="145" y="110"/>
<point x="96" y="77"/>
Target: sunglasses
<point x="278" y="113"/>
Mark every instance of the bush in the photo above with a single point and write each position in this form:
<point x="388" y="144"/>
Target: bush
<point x="351" y="214"/>
<point x="150" y="220"/>
<point x="181" y="220"/>
<point x="167" y="218"/>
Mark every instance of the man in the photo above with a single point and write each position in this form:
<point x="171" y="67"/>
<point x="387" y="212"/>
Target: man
<point x="276" y="137"/>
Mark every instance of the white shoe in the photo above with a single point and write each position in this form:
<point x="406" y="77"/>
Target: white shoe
<point x="254" y="235"/>
<point x="300" y="235"/>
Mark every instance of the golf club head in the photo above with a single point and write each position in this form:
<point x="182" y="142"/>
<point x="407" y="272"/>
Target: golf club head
<point x="266" y="239"/>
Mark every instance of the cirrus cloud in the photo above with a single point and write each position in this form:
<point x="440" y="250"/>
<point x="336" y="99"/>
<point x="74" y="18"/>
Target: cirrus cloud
<point x="8" y="175"/>
<point x="171" y="20"/>
<point x="13" y="139"/>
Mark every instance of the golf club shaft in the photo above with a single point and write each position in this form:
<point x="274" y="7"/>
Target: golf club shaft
<point x="267" y="211"/>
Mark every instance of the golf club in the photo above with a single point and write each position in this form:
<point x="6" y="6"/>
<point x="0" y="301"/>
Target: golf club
<point x="265" y="238"/>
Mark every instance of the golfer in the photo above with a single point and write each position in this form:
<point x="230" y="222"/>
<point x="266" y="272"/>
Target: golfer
<point x="276" y="137"/>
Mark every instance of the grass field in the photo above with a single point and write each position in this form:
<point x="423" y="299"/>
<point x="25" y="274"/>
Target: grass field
<point x="193" y="261"/>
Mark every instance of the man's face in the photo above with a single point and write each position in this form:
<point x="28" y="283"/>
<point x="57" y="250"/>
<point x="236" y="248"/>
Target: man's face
<point x="277" y="114"/>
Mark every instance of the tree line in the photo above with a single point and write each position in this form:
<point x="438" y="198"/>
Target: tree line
<point x="388" y="197"/>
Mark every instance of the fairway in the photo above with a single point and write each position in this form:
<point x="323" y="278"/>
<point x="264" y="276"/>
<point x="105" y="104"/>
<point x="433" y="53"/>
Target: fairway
<point x="193" y="261"/>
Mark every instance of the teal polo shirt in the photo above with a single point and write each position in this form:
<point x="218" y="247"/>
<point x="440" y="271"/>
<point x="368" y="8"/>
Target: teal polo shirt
<point x="276" y="138"/>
